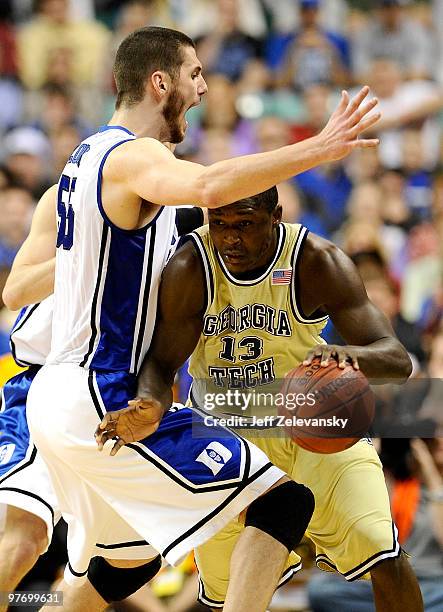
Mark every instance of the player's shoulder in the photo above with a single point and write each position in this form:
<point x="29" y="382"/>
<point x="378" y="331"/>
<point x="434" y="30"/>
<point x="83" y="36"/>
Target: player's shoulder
<point x="145" y="144"/>
<point x="319" y="253"/>
<point x="133" y="150"/>
<point x="185" y="259"/>
<point x="131" y="157"/>
<point x="184" y="276"/>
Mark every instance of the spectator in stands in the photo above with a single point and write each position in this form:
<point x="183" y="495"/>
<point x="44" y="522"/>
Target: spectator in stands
<point x="271" y="133"/>
<point x="27" y="155"/>
<point x="16" y="208"/>
<point x="423" y="271"/>
<point x="312" y="55"/>
<point x="57" y="110"/>
<point x="64" y="141"/>
<point x="418" y="180"/>
<point x="431" y="404"/>
<point x="52" y="28"/>
<point x="383" y="292"/>
<point x="11" y="96"/>
<point x="220" y="113"/>
<point x="390" y="33"/>
<point x="199" y="17"/>
<point x="133" y="15"/>
<point x="404" y="104"/>
<point x="227" y="49"/>
<point x="417" y="508"/>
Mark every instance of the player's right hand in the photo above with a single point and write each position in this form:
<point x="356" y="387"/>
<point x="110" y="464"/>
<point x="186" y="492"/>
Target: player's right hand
<point x="138" y="421"/>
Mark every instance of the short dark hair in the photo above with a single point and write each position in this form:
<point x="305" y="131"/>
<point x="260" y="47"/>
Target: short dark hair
<point x="142" y="53"/>
<point x="267" y="200"/>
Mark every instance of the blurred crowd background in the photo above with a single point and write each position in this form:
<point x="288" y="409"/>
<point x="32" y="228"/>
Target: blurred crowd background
<point x="275" y="70"/>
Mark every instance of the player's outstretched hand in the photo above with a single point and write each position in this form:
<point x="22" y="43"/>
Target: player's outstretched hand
<point x="343" y="355"/>
<point x="350" y="119"/>
<point x="140" y="419"/>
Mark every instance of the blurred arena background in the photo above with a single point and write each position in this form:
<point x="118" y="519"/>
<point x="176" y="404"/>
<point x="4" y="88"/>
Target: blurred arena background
<point x="275" y="70"/>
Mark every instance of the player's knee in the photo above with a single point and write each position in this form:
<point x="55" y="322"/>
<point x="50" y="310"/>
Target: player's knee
<point x="283" y="512"/>
<point x="397" y="568"/>
<point x="25" y="537"/>
<point x="117" y="583"/>
<point x="22" y="551"/>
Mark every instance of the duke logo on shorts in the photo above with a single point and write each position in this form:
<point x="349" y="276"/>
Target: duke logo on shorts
<point x="6" y="452"/>
<point x="215" y="456"/>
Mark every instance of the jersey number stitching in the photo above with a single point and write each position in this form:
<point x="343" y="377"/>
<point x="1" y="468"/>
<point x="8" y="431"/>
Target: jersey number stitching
<point x="65" y="234"/>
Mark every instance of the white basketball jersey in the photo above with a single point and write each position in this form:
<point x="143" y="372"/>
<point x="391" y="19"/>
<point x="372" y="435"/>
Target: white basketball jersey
<point x="107" y="278"/>
<point x="30" y="338"/>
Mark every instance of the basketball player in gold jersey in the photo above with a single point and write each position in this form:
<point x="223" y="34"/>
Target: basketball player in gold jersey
<point x="248" y="296"/>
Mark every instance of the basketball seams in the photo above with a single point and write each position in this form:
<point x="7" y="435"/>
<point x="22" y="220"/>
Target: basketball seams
<point x="343" y="403"/>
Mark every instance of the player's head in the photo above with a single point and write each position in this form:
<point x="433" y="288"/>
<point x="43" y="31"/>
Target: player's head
<point x="163" y="62"/>
<point x="244" y="233"/>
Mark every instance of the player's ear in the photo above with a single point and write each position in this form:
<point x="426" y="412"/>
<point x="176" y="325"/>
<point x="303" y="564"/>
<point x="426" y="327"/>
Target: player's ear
<point x="160" y="83"/>
<point x="277" y="214"/>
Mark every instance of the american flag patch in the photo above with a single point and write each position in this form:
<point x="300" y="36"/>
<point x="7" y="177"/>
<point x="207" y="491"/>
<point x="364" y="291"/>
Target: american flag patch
<point x="281" y="277"/>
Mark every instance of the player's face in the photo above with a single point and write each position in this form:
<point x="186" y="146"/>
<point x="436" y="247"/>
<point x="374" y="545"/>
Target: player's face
<point x="185" y="93"/>
<point x="244" y="236"/>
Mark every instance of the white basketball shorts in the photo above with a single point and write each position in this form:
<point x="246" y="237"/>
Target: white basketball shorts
<point x="176" y="488"/>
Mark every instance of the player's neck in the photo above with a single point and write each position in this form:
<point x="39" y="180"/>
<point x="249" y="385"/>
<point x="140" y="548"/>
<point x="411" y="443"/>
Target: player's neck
<point x="140" y="121"/>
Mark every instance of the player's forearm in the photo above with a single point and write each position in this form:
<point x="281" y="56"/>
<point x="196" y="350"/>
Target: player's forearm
<point x="156" y="381"/>
<point x="234" y="179"/>
<point x="28" y="284"/>
<point x="385" y="359"/>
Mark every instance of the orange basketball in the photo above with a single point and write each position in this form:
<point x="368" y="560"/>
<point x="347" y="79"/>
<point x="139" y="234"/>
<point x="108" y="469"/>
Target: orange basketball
<point x="326" y="409"/>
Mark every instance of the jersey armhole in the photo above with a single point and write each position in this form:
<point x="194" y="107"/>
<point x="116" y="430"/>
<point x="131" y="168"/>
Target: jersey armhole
<point x="206" y="266"/>
<point x="297" y="310"/>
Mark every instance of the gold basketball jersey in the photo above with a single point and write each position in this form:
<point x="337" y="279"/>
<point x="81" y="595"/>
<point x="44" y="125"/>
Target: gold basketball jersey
<point x="254" y="331"/>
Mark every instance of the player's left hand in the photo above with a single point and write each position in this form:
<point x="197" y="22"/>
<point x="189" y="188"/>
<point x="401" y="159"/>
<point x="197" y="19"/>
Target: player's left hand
<point x="138" y="421"/>
<point x="343" y="355"/>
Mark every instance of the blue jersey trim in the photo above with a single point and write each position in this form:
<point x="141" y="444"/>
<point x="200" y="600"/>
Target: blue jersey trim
<point x="95" y="297"/>
<point x="105" y="128"/>
<point x="145" y="305"/>
<point x="100" y="201"/>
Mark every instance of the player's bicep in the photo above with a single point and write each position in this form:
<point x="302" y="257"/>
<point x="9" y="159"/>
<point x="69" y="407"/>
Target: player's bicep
<point x="361" y="324"/>
<point x="151" y="171"/>
<point x="180" y="310"/>
<point x="355" y="317"/>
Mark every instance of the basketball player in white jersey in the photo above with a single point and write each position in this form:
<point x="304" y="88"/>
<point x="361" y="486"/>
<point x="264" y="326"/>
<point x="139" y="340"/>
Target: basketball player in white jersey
<point x="114" y="237"/>
<point x="28" y="504"/>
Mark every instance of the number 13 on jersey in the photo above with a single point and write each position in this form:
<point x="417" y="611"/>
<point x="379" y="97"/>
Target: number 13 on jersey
<point x="65" y="212"/>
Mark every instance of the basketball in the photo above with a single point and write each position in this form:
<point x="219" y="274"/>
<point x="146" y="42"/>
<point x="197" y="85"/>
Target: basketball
<point x="334" y="409"/>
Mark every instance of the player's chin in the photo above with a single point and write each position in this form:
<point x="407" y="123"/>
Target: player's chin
<point x="237" y="266"/>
